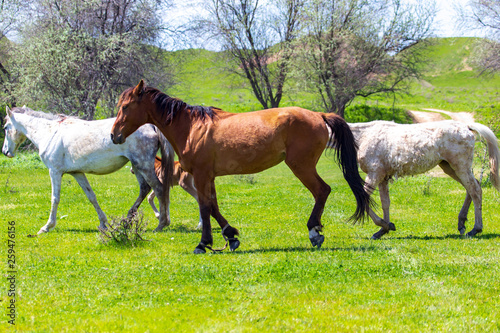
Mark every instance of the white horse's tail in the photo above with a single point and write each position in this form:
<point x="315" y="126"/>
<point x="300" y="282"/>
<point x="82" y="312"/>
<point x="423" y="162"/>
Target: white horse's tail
<point x="493" y="151"/>
<point x="167" y="162"/>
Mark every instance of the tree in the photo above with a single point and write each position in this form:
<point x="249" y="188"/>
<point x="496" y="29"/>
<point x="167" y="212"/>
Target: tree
<point x="484" y="15"/>
<point x="77" y="55"/>
<point x="257" y="40"/>
<point x="355" y="48"/>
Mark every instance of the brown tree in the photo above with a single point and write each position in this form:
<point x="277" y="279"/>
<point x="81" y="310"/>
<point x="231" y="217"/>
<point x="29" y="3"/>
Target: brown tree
<point x="355" y="48"/>
<point x="484" y="15"/>
<point x="257" y="39"/>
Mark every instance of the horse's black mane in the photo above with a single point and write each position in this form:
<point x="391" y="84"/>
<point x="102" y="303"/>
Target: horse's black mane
<point x="170" y="106"/>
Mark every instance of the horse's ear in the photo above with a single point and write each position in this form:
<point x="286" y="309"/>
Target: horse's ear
<point x="138" y="89"/>
<point x="9" y="113"/>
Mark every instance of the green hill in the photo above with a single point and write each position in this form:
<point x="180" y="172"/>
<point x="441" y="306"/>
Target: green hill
<point x="450" y="81"/>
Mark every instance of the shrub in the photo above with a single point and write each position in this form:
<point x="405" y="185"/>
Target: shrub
<point x="124" y="230"/>
<point x="364" y="113"/>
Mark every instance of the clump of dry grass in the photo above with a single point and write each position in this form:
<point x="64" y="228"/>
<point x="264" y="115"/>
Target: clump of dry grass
<point x="124" y="230"/>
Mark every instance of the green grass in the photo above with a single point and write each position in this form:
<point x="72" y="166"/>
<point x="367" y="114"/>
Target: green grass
<point x="423" y="277"/>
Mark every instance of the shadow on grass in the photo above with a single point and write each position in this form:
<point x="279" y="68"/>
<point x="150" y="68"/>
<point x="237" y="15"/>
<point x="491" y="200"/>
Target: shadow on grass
<point x="82" y="231"/>
<point x="310" y="249"/>
<point x="449" y="236"/>
<point x="181" y="228"/>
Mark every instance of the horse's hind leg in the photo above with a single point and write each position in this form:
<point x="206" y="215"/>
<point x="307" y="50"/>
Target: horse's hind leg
<point x="55" y="180"/>
<point x="371" y="183"/>
<point x="464" y="176"/>
<point x="462" y="216"/>
<point x="320" y="191"/>
<point x="144" y="189"/>
<point x="187" y="183"/>
<point x="84" y="184"/>
<point x="474" y="192"/>
<point x="152" y="180"/>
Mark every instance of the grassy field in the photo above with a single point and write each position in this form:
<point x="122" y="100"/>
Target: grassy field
<point x="423" y="277"/>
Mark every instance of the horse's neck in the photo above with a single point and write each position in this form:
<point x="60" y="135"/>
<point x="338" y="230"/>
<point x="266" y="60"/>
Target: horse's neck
<point x="37" y="130"/>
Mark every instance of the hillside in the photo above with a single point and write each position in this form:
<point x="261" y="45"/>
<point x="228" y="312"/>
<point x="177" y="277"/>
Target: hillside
<point x="449" y="82"/>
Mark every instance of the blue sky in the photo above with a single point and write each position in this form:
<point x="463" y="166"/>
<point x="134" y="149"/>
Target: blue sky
<point x="445" y="18"/>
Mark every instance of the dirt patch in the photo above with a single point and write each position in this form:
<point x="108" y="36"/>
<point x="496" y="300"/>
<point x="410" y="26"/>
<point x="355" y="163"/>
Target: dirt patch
<point x="424" y="117"/>
<point x="465" y="117"/>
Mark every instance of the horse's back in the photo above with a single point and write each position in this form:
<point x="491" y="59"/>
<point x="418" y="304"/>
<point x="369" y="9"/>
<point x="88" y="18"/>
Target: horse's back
<point x="89" y="149"/>
<point x="414" y="148"/>
<point x="254" y="141"/>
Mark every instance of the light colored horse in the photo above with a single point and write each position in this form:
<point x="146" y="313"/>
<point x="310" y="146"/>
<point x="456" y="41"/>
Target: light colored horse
<point x="180" y="177"/>
<point x="76" y="147"/>
<point x="387" y="150"/>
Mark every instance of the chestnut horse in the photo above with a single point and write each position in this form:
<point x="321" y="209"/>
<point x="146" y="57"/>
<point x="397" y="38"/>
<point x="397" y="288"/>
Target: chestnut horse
<point x="211" y="142"/>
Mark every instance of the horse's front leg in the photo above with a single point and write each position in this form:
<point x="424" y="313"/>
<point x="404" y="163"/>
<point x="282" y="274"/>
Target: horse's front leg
<point x="55" y="180"/>
<point x="229" y="233"/>
<point x="84" y="184"/>
<point x="207" y="201"/>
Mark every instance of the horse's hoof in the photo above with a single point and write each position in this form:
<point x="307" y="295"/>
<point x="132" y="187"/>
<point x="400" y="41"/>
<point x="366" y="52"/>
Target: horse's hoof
<point x="317" y="241"/>
<point x="375" y="237"/>
<point x="42" y="231"/>
<point x="199" y="250"/>
<point x="158" y="229"/>
<point x="474" y="232"/>
<point x="462" y="231"/>
<point x="392" y="226"/>
<point x="234" y="244"/>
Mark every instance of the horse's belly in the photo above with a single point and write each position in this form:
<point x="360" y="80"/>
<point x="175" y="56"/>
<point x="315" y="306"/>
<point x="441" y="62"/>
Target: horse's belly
<point x="248" y="161"/>
<point x="97" y="165"/>
<point x="416" y="162"/>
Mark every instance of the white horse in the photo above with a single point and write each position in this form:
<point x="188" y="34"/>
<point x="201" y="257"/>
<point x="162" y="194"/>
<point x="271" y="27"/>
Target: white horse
<point x="387" y="150"/>
<point x="76" y="147"/>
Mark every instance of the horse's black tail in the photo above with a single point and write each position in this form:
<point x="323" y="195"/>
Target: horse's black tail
<point x="342" y="140"/>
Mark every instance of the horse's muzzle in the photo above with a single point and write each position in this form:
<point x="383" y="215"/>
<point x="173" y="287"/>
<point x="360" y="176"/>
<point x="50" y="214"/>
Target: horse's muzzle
<point x="119" y="139"/>
<point x="7" y="153"/>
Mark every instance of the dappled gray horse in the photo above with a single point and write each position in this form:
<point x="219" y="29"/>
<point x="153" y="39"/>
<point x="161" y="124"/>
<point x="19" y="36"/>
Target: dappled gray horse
<point x="387" y="150"/>
<point x="74" y="146"/>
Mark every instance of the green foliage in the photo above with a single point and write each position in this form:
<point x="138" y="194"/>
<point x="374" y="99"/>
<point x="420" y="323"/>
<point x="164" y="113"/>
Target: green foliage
<point x="75" y="55"/>
<point x="365" y="113"/>
<point x="423" y="277"/>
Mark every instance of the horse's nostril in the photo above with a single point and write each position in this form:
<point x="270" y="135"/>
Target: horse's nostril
<point x="112" y="137"/>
